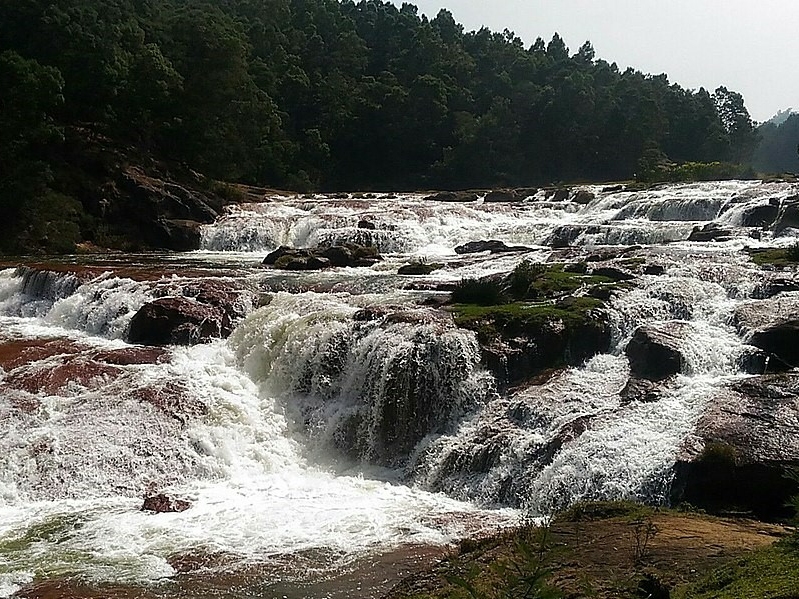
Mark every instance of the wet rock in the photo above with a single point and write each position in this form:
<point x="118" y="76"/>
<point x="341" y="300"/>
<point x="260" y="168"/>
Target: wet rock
<point x="525" y="192"/>
<point x="756" y="361"/>
<point x="744" y="443"/>
<point x="557" y="195"/>
<point x="655" y="350"/>
<point x="453" y="196"/>
<point x="282" y="252"/>
<point x="654" y="269"/>
<point x="349" y="254"/>
<point x="494" y="246"/>
<point x="641" y="390"/>
<point x="177" y="321"/>
<point x="771" y="325"/>
<point x="523" y="348"/>
<point x="18" y="352"/>
<point x="501" y="195"/>
<point x="613" y="189"/>
<point x="711" y="232"/>
<point x="565" y="235"/>
<point x="366" y="224"/>
<point x="788" y="217"/>
<point x="773" y="287"/>
<point x="166" y="213"/>
<point x="418" y="268"/>
<point x="583" y="196"/>
<point x="180" y="235"/>
<point x="760" y="216"/>
<point x="302" y="263"/>
<point x="58" y="380"/>
<point x="162" y="504"/>
<point x="173" y="399"/>
<point x="781" y="340"/>
<point x="132" y="355"/>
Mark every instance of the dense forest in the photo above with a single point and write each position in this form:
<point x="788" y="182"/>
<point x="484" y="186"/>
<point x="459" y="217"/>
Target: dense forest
<point x="334" y="94"/>
<point x="779" y="145"/>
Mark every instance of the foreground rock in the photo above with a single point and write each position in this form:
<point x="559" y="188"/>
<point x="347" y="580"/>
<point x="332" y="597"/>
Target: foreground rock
<point x="345" y="255"/>
<point x="162" y="504"/>
<point x="743" y="446"/>
<point x="520" y="341"/>
<point x="494" y="246"/>
<point x="656" y="350"/>
<point x="207" y="310"/>
<point x="772" y="325"/>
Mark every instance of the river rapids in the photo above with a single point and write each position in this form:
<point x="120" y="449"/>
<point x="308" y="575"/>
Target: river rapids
<point x="347" y="428"/>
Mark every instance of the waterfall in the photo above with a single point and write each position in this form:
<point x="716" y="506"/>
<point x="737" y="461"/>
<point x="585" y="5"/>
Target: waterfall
<point x="347" y="414"/>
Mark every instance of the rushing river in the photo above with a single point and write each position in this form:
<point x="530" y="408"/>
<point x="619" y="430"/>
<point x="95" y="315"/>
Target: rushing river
<point x="324" y="454"/>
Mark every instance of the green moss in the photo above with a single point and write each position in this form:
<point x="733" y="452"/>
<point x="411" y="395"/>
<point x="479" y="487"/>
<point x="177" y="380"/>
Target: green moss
<point x="488" y="321"/>
<point x="555" y="281"/>
<point x="780" y="257"/>
<point x="719" y="453"/>
<point x="602" y="510"/>
<point x="771" y="573"/>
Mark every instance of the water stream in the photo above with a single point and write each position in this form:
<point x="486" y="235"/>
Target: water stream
<point x="344" y="419"/>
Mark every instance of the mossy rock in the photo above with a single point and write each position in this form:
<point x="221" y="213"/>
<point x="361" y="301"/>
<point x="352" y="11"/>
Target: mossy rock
<point x="419" y="268"/>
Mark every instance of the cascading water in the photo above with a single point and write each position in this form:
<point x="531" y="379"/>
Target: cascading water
<point x="348" y="415"/>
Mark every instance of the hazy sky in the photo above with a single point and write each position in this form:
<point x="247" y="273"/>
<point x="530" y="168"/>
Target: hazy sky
<point x="749" y="46"/>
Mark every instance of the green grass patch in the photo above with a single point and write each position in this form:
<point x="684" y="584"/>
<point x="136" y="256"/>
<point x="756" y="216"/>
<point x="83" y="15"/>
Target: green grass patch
<point x="520" y="316"/>
<point x="771" y="573"/>
<point x="780" y="257"/>
<point x="589" y="511"/>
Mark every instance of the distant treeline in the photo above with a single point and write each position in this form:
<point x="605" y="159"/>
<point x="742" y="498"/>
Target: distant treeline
<point x="340" y="95"/>
<point x="778" y="151"/>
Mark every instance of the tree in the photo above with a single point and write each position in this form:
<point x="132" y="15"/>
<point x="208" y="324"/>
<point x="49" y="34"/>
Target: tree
<point x="737" y="124"/>
<point x="29" y="95"/>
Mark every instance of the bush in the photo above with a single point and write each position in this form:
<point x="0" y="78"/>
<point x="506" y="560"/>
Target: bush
<point x="523" y="276"/>
<point x="482" y="292"/>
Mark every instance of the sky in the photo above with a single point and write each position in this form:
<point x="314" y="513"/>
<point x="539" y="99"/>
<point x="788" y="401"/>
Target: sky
<point x="751" y="47"/>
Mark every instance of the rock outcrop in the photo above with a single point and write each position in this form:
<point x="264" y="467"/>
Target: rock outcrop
<point x="742" y="449"/>
<point x="772" y="325"/>
<point x="655" y="351"/>
<point x="204" y="311"/>
<point x="162" y="503"/>
<point x="350" y="254"/>
<point x="492" y="245"/>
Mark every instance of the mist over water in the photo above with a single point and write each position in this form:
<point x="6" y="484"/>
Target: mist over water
<point x="344" y="417"/>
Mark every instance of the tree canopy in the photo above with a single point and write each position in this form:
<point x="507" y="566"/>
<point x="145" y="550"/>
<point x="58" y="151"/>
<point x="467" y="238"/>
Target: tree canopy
<point x="338" y="94"/>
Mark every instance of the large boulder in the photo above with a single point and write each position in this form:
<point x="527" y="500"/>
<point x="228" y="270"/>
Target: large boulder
<point x="780" y="339"/>
<point x="788" y="217"/>
<point x="502" y="195"/>
<point x="656" y="350"/>
<point x="492" y="245"/>
<point x="453" y="196"/>
<point x="523" y="346"/>
<point x="711" y="232"/>
<point x="348" y="254"/>
<point x="176" y="321"/>
<point x="743" y="445"/>
<point x="772" y="325"/>
<point x="763" y="215"/>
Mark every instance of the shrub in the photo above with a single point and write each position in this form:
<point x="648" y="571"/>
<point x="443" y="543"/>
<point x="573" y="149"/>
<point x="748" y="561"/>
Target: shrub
<point x="523" y="276"/>
<point x="483" y="292"/>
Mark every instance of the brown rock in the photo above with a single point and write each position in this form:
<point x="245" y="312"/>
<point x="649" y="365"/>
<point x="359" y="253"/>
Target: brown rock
<point x="162" y="503"/>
